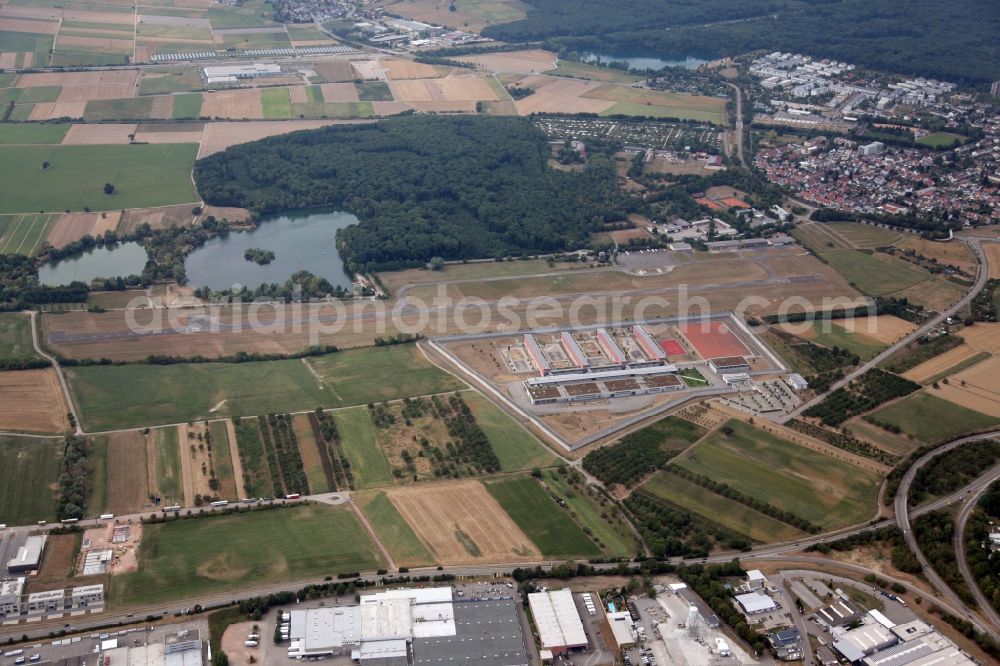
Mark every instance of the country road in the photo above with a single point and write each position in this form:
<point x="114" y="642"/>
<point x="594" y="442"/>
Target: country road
<point x="982" y="275"/>
<point x="902" y="511"/>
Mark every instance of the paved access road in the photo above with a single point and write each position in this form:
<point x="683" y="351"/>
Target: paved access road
<point x="958" y="543"/>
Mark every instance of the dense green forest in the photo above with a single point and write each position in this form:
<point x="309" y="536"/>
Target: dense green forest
<point x="955" y="41"/>
<point x="423" y="187"/>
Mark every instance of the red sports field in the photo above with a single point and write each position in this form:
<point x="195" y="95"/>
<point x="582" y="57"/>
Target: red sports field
<point x="712" y="339"/>
<point x="672" y="347"/>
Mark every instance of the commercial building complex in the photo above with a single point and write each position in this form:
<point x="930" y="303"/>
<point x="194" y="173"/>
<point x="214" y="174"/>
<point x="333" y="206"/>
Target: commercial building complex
<point x="412" y="626"/>
<point x="14" y="604"/>
<point x="560" y="628"/>
<point x="28" y="556"/>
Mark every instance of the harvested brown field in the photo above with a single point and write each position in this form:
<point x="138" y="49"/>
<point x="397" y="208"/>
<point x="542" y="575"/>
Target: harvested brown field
<point x="886" y="329"/>
<point x="954" y="253"/>
<point x="336" y="71"/>
<point x="227" y="213"/>
<point x="126" y="487"/>
<point x="407" y="69"/>
<point x="168" y="137"/>
<point x="32" y="401"/>
<point x="84" y="16"/>
<point x="298" y="95"/>
<point x="368" y="70"/>
<point x="157" y="218"/>
<point x="992" y="251"/>
<point x="940" y="363"/>
<point x="232" y="104"/>
<point x="219" y="136"/>
<point x="389" y="108"/>
<point x="16" y="11"/>
<point x="52" y="110"/>
<point x="461" y="523"/>
<point x="101" y="43"/>
<point x="468" y="106"/>
<point x="975" y="388"/>
<point x="116" y="133"/>
<point x="73" y="226"/>
<point x="338" y="92"/>
<point x="452" y="89"/>
<point x="28" y="25"/>
<point x="561" y="96"/>
<point x="533" y="61"/>
<point x="108" y="77"/>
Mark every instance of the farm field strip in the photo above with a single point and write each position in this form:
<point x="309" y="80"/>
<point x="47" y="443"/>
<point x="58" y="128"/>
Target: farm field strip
<point x="544" y="522"/>
<point x="360" y="447"/>
<point x="198" y="556"/>
<point x="28" y="462"/>
<point x="15" y="337"/>
<point x="722" y="510"/>
<point x="929" y="418"/>
<point x="809" y="484"/>
<point x="32" y="401"/>
<point x="394" y="532"/>
<point x="461" y="523"/>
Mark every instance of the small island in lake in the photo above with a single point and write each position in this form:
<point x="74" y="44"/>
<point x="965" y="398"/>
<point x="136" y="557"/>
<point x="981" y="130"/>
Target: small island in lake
<point x="259" y="256"/>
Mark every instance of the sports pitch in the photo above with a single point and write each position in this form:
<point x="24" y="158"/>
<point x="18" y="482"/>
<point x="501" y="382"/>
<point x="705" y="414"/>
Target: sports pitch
<point x="188" y="558"/>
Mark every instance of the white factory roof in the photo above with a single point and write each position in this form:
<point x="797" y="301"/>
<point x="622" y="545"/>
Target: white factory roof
<point x="621" y="627"/>
<point x="324" y="629"/>
<point x="756" y="603"/>
<point x="557" y="619"/>
<point x="930" y="649"/>
<point x="380" y="650"/>
<point x="30" y="553"/>
<point x="255" y="69"/>
<point x="864" y="640"/>
<point x="420" y="613"/>
<point x="755" y="574"/>
<point x="12" y="587"/>
<point x="48" y="594"/>
<point x="880" y="617"/>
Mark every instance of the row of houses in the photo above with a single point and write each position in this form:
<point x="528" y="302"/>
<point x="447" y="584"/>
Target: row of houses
<point x="15" y="604"/>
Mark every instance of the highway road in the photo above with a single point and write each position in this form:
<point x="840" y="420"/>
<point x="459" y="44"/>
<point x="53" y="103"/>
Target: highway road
<point x="903" y="513"/>
<point x="981" y="276"/>
<point x="958" y="543"/>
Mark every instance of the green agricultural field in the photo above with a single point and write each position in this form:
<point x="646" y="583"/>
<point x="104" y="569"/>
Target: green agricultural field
<point x="143" y="176"/>
<point x="28" y="463"/>
<point x="28" y="134"/>
<point x="928" y="418"/>
<point x="15" y="337"/>
<point x="333" y="110"/>
<point x="24" y="234"/>
<point x="180" y="81"/>
<point x="722" y="510"/>
<point x="547" y="525"/>
<point x="664" y="111"/>
<point x="516" y="448"/>
<point x="256" y="476"/>
<point x="221" y="452"/>
<point x="169" y="481"/>
<point x="132" y="108"/>
<point x="831" y="334"/>
<point x="811" y="485"/>
<point x="315" y="94"/>
<point x="40" y="45"/>
<point x="580" y="70"/>
<point x="359" y="376"/>
<point x="39" y="94"/>
<point x="872" y="274"/>
<point x="360" y="447"/>
<point x="374" y="91"/>
<point x="616" y="538"/>
<point x="97" y="461"/>
<point x="276" y="103"/>
<point x="139" y="395"/>
<point x="249" y="14"/>
<point x="186" y="106"/>
<point x="672" y="433"/>
<point x="394" y="532"/>
<point x="199" y="556"/>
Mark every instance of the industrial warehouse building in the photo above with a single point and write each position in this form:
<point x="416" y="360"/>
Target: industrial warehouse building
<point x="237" y="73"/>
<point x="14" y="604"/>
<point x="412" y="626"/>
<point x="560" y="628"/>
<point x="28" y="556"/>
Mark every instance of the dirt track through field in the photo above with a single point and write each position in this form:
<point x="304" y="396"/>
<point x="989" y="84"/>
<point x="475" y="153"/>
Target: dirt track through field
<point x="461" y="523"/>
<point x="974" y="388"/>
<point x="234" y="454"/>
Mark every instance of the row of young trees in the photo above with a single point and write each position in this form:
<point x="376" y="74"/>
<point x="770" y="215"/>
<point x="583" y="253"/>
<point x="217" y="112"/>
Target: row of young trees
<point x="627" y="461"/>
<point x="74" y="478"/>
<point x="865" y="393"/>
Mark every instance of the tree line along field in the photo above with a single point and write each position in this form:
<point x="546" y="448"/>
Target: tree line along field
<point x="141" y="395"/>
<point x="808" y="484"/>
<point x="192" y="557"/>
<point x="143" y="176"/>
